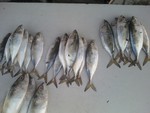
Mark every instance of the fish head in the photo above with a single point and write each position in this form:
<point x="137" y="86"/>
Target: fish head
<point x="26" y="34"/>
<point x="20" y="84"/>
<point x="42" y="92"/>
<point x="20" y="29"/>
<point x="84" y="41"/>
<point x="92" y="45"/>
<point x="121" y="19"/>
<point x="74" y="35"/>
<point x="39" y="36"/>
<point x="30" y="38"/>
<point x="58" y="40"/>
<point x="134" y="20"/>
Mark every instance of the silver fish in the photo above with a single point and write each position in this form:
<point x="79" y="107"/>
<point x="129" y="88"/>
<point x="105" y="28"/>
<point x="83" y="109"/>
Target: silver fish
<point x="28" y="53"/>
<point x="79" y="59"/>
<point x="28" y="96"/>
<point x="71" y="51"/>
<point x="57" y="67"/>
<point x="136" y="39"/>
<point x="61" y="55"/>
<point x="16" y="41"/>
<point x="122" y="35"/>
<point x="78" y="78"/>
<point x="51" y="56"/>
<point x="39" y="101"/>
<point x="37" y="51"/>
<point x="91" y="64"/>
<point x="107" y="39"/>
<point x="16" y="94"/>
<point x="146" y="45"/>
<point x="23" y="47"/>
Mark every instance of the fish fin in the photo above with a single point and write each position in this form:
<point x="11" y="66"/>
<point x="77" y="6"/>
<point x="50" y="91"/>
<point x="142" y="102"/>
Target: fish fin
<point x="70" y="80"/>
<point x="77" y="82"/>
<point x="53" y="80"/>
<point x="113" y="61"/>
<point x="146" y="60"/>
<point x="139" y="65"/>
<point x="35" y="72"/>
<point x="90" y="85"/>
<point x="63" y="79"/>
<point x="18" y="72"/>
<point x="44" y="76"/>
<point x="132" y="63"/>
<point x="117" y="56"/>
<point x="79" y="79"/>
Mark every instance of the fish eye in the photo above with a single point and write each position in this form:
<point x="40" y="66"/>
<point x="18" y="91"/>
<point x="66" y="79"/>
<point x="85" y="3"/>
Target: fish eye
<point x="21" y="77"/>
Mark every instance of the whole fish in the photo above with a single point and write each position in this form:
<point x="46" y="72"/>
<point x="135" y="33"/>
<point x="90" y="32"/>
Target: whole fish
<point x="122" y="35"/>
<point x="16" y="41"/>
<point x="37" y="51"/>
<point x="57" y="67"/>
<point x="136" y="39"/>
<point x="28" y="96"/>
<point x="146" y="45"/>
<point x="91" y="64"/>
<point x="107" y="38"/>
<point x="51" y="56"/>
<point x="79" y="59"/>
<point x="28" y="53"/>
<point x="16" y="94"/>
<point x="71" y="51"/>
<point x="23" y="47"/>
<point x="21" y="53"/>
<point x="3" y="45"/>
<point x="78" y="79"/>
<point x="39" y="101"/>
<point x="61" y="55"/>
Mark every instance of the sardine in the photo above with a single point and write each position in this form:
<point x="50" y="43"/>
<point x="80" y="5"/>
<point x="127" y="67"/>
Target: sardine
<point x="28" y="96"/>
<point x="71" y="52"/>
<point x="136" y="39"/>
<point x="122" y="35"/>
<point x="107" y="38"/>
<point x="91" y="63"/>
<point x="16" y="94"/>
<point x="146" y="45"/>
<point x="51" y="56"/>
<point x="16" y="41"/>
<point x="28" y="53"/>
<point x="61" y="55"/>
<point x="57" y="67"/>
<point x="37" y="51"/>
<point x="39" y="101"/>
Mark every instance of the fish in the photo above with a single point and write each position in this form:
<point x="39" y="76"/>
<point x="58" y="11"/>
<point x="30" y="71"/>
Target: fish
<point x="16" y="41"/>
<point x="136" y="40"/>
<point x="23" y="47"/>
<point x="78" y="78"/>
<point x="57" y="68"/>
<point x="16" y="95"/>
<point x="39" y="101"/>
<point x="50" y="59"/>
<point x="37" y="51"/>
<point x="146" y="45"/>
<point x="71" y="50"/>
<point x="3" y="45"/>
<point x="107" y="39"/>
<point x="79" y="60"/>
<point x="122" y="35"/>
<point x="28" y="54"/>
<point x="22" y="51"/>
<point x="91" y="63"/>
<point x="28" y="96"/>
<point x="61" y="54"/>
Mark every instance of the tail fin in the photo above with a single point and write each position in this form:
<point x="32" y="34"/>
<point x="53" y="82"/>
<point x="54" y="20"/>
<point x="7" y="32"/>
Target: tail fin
<point x="70" y="80"/>
<point x="35" y="72"/>
<point x="146" y="60"/>
<point x="44" y="76"/>
<point x="90" y="85"/>
<point x="136" y="62"/>
<point x="113" y="61"/>
<point x="53" y="80"/>
<point x="63" y="79"/>
<point x="78" y="80"/>
<point x="18" y="72"/>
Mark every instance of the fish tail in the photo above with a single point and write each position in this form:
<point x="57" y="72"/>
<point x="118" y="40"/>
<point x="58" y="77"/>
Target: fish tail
<point x="146" y="60"/>
<point x="132" y="63"/>
<point x="44" y="76"/>
<point x="53" y="80"/>
<point x="117" y="56"/>
<point x="90" y="85"/>
<point x="77" y="82"/>
<point x="139" y="65"/>
<point x="113" y="61"/>
<point x="122" y="58"/>
<point x="34" y="71"/>
<point x="63" y="79"/>
<point x="18" y="72"/>
<point x="79" y="79"/>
